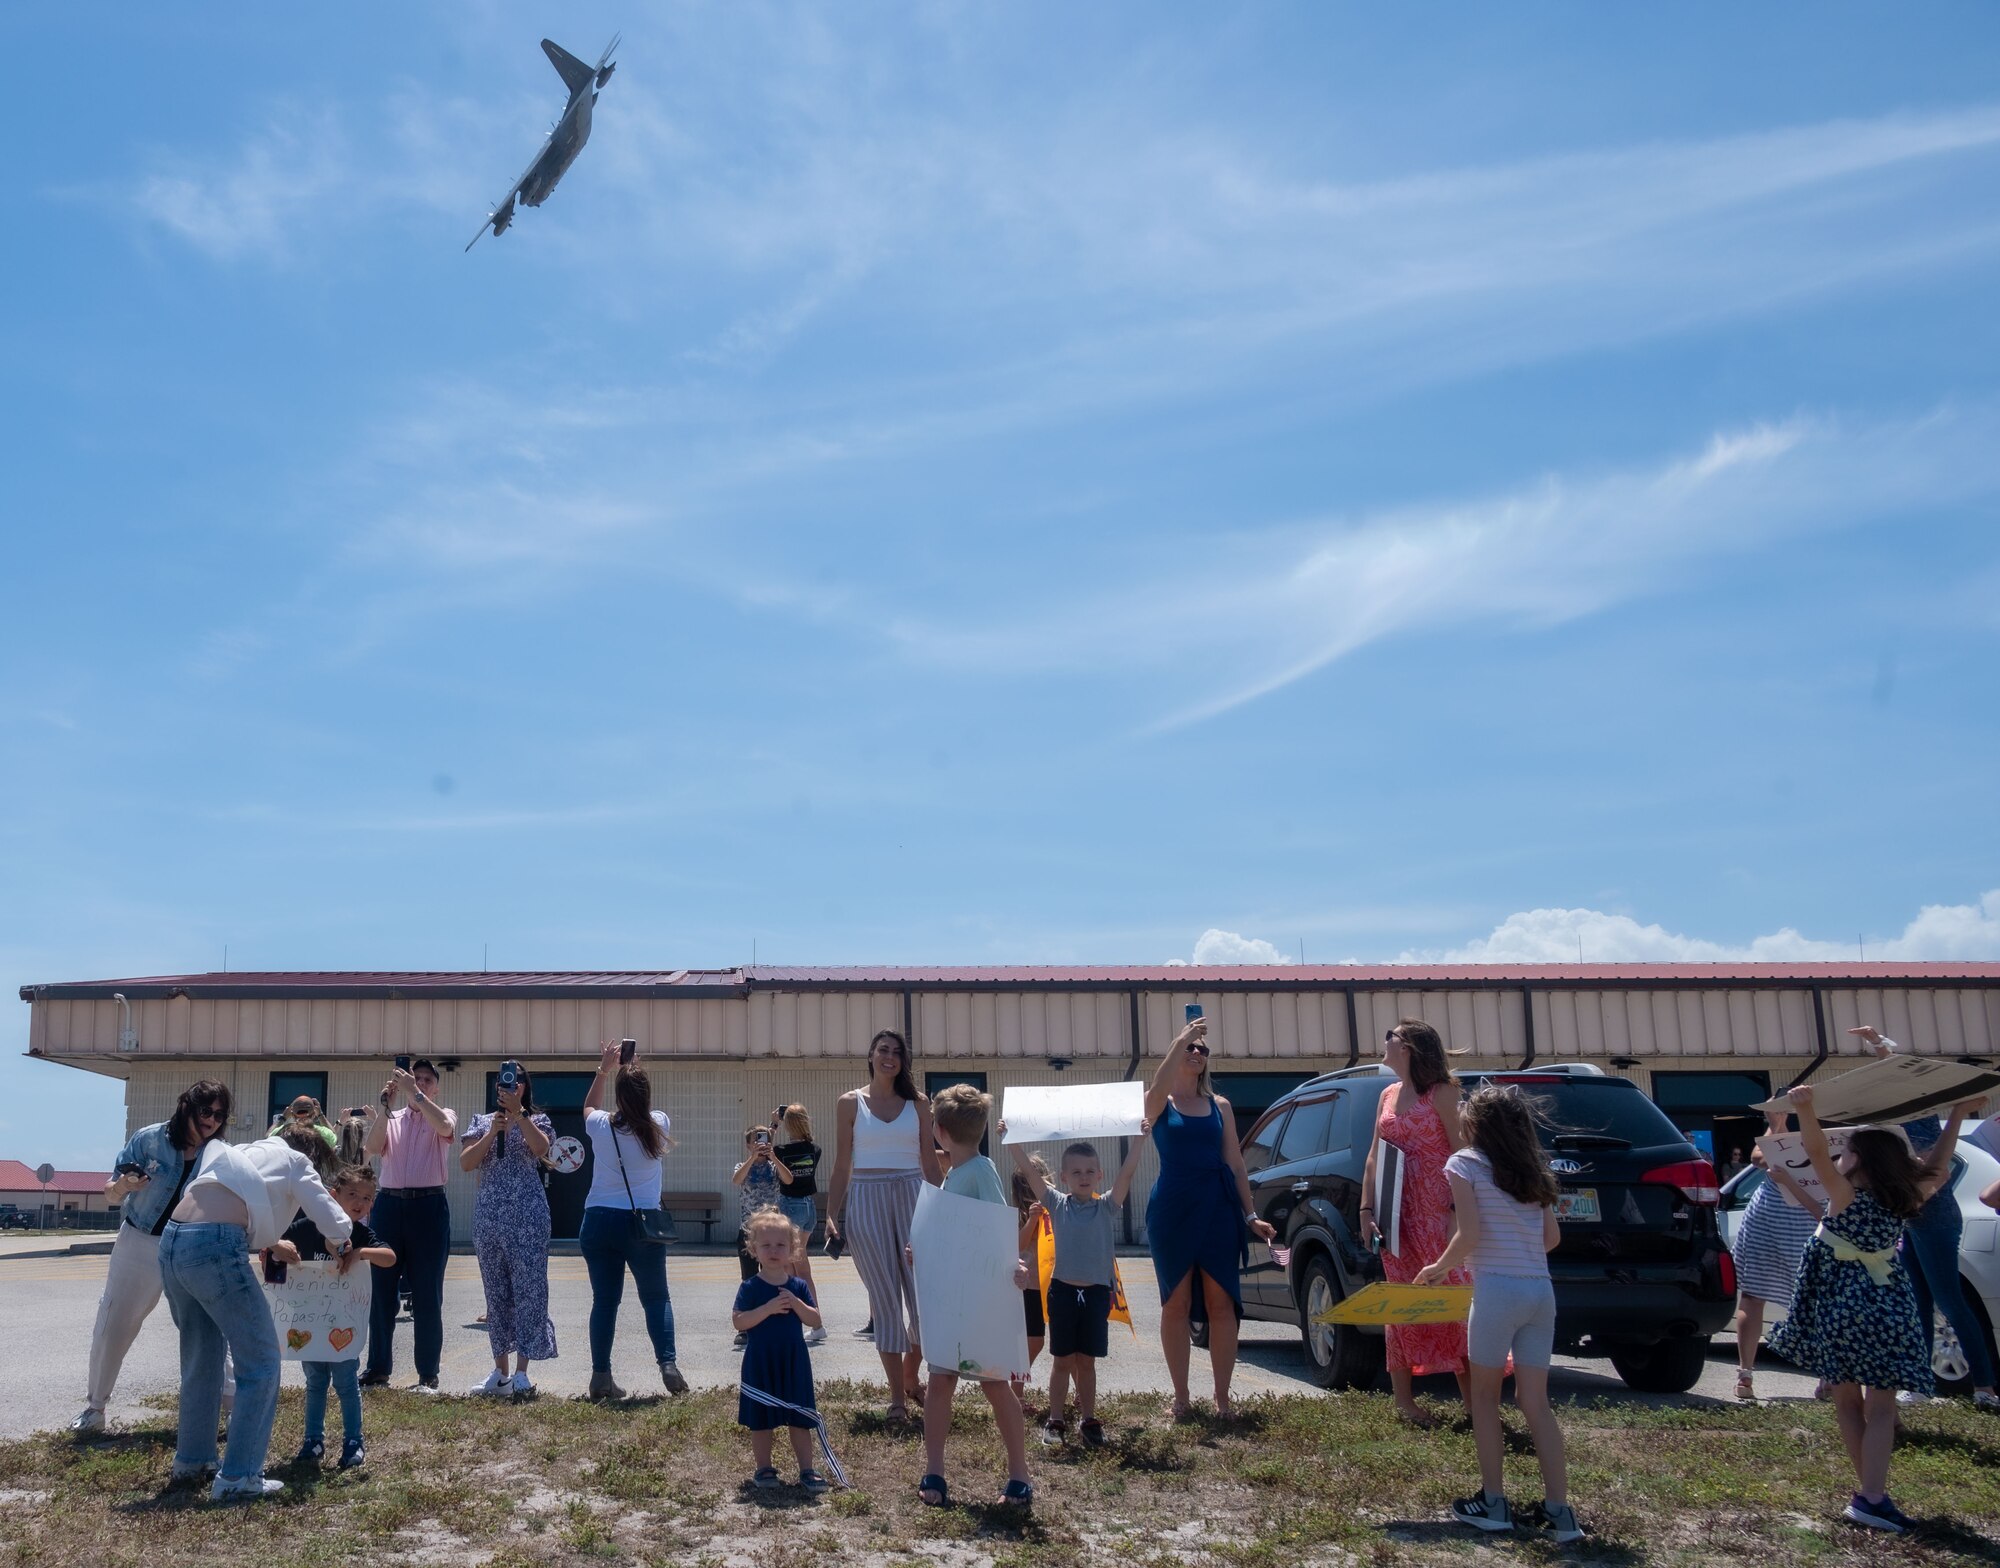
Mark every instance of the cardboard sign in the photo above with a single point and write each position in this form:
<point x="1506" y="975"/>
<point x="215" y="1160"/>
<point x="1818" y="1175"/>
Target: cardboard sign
<point x="1894" y="1089"/>
<point x="1041" y="1113"/>
<point x="1387" y="1302"/>
<point x="322" y="1315"/>
<point x="1786" y="1151"/>
<point x="1045" y="1267"/>
<point x="968" y="1307"/>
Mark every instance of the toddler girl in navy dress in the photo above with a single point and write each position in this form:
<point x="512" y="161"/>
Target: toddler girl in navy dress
<point x="1854" y="1321"/>
<point x="774" y="1308"/>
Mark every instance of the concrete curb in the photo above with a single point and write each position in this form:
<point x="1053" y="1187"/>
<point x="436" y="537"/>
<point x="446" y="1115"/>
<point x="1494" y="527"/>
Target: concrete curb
<point x="75" y="1249"/>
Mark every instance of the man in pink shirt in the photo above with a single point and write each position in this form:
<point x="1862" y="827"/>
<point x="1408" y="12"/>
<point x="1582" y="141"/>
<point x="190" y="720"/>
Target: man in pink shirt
<point x="410" y="1215"/>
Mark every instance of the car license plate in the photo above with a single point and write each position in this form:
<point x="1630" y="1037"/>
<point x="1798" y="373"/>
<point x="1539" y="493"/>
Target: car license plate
<point x="1578" y="1206"/>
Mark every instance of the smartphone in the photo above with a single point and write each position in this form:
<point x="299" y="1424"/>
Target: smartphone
<point x="510" y="1076"/>
<point x="763" y="1140"/>
<point x="627" y="1049"/>
<point x="1193" y="1012"/>
<point x="274" y="1271"/>
<point x="836" y="1247"/>
<point x="355" y="1110"/>
<point x="402" y="1064"/>
<point x="128" y="1168"/>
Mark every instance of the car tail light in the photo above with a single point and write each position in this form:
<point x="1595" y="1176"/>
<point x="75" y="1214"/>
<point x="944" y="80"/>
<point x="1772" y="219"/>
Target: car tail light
<point x="1727" y="1265"/>
<point x="1695" y="1179"/>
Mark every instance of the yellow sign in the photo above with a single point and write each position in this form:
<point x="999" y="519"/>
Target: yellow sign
<point x="1045" y="1260"/>
<point x="1384" y="1302"/>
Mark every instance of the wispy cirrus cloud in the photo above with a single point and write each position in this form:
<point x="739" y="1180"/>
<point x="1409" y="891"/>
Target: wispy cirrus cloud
<point x="1275" y="607"/>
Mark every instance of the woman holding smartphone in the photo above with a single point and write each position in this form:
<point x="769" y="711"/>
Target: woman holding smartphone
<point x="152" y="1172"/>
<point x="627" y="1147"/>
<point x="1200" y="1213"/>
<point x="510" y="1229"/>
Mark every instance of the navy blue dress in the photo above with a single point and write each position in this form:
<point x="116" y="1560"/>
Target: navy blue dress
<point x="775" y="1358"/>
<point x="1193" y="1218"/>
<point x="1846" y="1328"/>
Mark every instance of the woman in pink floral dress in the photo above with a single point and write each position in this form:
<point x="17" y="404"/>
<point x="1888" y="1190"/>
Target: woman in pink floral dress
<point x="1419" y="1115"/>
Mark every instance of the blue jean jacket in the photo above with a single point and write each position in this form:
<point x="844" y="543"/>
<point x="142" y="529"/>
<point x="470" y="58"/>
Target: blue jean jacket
<point x="149" y="1147"/>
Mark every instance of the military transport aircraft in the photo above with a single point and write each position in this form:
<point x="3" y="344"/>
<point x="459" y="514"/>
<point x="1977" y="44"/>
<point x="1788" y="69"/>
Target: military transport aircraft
<point x="565" y="138"/>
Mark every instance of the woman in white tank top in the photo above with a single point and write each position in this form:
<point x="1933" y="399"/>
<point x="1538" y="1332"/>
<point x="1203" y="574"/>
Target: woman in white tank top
<point x="884" y="1153"/>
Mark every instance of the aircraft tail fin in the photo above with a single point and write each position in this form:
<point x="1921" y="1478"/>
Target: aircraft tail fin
<point x="575" y="74"/>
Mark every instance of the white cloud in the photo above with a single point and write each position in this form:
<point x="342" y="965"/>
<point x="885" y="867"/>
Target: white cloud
<point x="1227" y="947"/>
<point x="1939" y="933"/>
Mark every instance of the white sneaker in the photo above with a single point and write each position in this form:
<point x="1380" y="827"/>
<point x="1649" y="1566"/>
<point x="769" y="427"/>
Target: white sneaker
<point x="497" y="1382"/>
<point x="1910" y="1396"/>
<point x="816" y="1336"/>
<point x="92" y="1420"/>
<point x="253" y="1490"/>
<point x="519" y="1386"/>
<point x="426" y="1386"/>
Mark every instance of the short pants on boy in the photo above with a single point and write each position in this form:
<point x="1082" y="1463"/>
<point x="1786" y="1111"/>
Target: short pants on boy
<point x="1079" y="1319"/>
<point x="1511" y="1312"/>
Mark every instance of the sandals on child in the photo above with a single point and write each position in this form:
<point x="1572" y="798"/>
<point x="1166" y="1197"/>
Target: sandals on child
<point x="767" y="1478"/>
<point x="1020" y="1494"/>
<point x="813" y="1481"/>
<point x="934" y="1484"/>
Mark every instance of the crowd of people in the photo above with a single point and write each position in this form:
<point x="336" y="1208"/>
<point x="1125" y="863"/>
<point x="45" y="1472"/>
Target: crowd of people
<point x="1857" y="1265"/>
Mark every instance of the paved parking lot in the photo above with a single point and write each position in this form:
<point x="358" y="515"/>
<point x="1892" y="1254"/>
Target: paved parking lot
<point x="50" y="1304"/>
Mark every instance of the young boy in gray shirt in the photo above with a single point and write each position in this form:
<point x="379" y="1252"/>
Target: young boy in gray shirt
<point x="1085" y="1224"/>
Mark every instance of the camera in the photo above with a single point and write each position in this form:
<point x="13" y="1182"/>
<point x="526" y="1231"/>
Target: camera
<point x="627" y="1049"/>
<point x="510" y="1076"/>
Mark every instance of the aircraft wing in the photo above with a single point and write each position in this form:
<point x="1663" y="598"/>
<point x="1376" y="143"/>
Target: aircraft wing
<point x="506" y="202"/>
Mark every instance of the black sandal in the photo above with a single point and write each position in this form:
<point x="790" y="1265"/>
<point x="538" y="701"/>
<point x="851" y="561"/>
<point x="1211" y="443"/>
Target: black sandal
<point x="1019" y="1493"/>
<point x="930" y="1484"/>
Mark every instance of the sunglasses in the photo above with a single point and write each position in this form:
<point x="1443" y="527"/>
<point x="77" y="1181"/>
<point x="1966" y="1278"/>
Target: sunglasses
<point x="1196" y="1050"/>
<point x="1392" y="1038"/>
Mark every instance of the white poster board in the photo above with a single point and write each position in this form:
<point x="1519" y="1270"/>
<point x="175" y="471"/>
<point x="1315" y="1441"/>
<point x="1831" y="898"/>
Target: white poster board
<point x="1894" y="1089"/>
<point x="1786" y="1151"/>
<point x="322" y="1315"/>
<point x="1041" y="1113"/>
<point x="968" y="1307"/>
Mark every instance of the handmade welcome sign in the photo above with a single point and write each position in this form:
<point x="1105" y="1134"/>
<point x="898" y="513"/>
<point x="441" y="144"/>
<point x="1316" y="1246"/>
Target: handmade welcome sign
<point x="1387" y="1302"/>
<point x="970" y="1308"/>
<point x="321" y="1315"/>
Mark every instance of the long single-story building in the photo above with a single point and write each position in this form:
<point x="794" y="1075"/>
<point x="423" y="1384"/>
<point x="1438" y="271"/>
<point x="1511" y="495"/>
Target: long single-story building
<point x="725" y="1046"/>
<point x="68" y="1192"/>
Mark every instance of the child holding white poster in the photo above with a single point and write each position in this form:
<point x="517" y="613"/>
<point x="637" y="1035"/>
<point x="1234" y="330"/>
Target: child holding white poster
<point x="1085" y="1225"/>
<point x="958" y="1119"/>
<point x="353" y="1188"/>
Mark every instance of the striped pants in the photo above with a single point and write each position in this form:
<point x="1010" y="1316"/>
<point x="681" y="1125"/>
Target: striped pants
<point x="880" y="1205"/>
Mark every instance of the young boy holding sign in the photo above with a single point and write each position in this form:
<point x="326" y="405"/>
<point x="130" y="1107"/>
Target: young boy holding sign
<point x="353" y="1188"/>
<point x="1085" y="1224"/>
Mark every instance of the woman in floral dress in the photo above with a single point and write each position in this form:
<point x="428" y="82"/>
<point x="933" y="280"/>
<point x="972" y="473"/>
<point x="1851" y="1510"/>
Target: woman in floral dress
<point x="1418" y="1114"/>
<point x="510" y="1232"/>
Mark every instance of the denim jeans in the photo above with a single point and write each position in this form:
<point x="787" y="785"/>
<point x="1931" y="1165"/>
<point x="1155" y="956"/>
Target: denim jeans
<point x="345" y="1378"/>
<point x="419" y="1229"/>
<point x="1930" y="1250"/>
<point x="610" y="1244"/>
<point x="218" y="1304"/>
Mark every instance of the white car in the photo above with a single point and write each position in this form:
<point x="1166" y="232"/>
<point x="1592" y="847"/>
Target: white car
<point x="1973" y="1170"/>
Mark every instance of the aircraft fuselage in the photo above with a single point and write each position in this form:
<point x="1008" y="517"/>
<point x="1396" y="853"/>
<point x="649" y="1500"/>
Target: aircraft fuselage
<point x="571" y="132"/>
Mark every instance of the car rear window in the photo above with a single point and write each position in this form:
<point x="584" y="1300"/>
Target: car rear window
<point x="1305" y="1133"/>
<point x="1607" y="1107"/>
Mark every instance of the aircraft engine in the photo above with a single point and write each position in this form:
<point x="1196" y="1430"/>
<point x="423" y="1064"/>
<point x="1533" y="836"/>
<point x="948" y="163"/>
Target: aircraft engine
<point x="604" y="75"/>
<point x="503" y="219"/>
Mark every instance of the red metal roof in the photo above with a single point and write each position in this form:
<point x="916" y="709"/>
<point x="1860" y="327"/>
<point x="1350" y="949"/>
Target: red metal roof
<point x="1175" y="977"/>
<point x="16" y="1177"/>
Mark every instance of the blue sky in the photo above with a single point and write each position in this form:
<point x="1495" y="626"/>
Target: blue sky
<point x="995" y="484"/>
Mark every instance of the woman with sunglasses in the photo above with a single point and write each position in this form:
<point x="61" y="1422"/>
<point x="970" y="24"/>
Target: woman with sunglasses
<point x="1418" y="1116"/>
<point x="1200" y="1215"/>
<point x="152" y="1172"/>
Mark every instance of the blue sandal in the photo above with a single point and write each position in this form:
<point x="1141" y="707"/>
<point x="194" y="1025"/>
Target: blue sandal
<point x="813" y="1481"/>
<point x="1020" y="1493"/>
<point x="930" y="1484"/>
<point x="767" y="1477"/>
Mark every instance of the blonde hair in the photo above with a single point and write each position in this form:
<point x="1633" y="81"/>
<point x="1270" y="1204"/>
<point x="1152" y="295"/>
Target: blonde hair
<point x="769" y="1219"/>
<point x="961" y="1111"/>
<point x="798" y="1124"/>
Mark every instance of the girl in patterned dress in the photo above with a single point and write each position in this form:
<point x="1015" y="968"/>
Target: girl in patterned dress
<point x="510" y="1230"/>
<point x="1769" y="1245"/>
<point x="1418" y="1114"/>
<point x="1854" y="1319"/>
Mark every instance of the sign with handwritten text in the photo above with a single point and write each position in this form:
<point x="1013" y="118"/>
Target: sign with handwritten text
<point x="1387" y="1302"/>
<point x="321" y="1315"/>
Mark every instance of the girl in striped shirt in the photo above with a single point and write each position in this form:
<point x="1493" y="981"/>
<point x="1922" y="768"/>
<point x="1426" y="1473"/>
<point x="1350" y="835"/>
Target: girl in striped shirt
<point x="1503" y="1200"/>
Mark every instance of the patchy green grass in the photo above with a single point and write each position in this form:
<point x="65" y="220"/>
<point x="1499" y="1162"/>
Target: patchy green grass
<point x="1298" y="1480"/>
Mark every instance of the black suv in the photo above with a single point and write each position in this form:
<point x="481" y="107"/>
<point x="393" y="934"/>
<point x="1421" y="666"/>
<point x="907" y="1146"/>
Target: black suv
<point x="1641" y="1274"/>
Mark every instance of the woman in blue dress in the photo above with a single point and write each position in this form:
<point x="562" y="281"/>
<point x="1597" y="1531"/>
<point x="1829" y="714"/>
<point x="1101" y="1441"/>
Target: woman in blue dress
<point x="1854" y="1321"/>
<point x="1199" y="1217"/>
<point x="510" y="1231"/>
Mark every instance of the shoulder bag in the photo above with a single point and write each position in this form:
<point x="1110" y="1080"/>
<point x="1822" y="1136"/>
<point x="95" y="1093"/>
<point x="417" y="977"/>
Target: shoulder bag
<point x="653" y="1227"/>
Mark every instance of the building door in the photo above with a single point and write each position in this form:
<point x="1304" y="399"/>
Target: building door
<point x="1715" y="1110"/>
<point x="287" y="1087"/>
<point x="944" y="1080"/>
<point x="559" y="1096"/>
